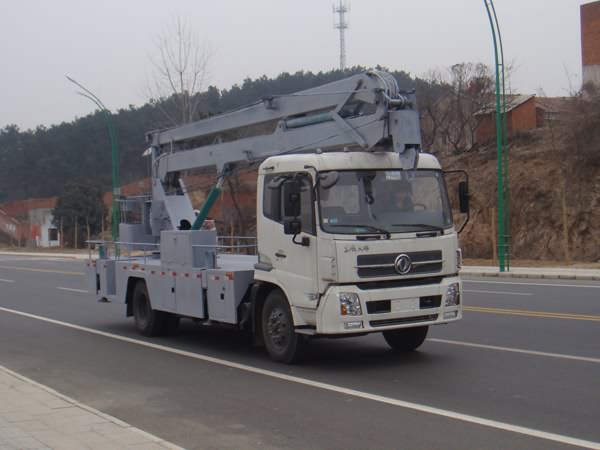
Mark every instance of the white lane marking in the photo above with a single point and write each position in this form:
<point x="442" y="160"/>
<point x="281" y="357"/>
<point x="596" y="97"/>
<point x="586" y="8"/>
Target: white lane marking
<point x="518" y="350"/>
<point x="7" y="281"/>
<point x="332" y="388"/>
<point x="83" y="291"/>
<point x="496" y="292"/>
<point x="535" y="284"/>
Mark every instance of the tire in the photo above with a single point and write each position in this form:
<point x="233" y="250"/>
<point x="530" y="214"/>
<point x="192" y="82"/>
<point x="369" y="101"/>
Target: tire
<point x="282" y="342"/>
<point x="406" y="339"/>
<point x="148" y="321"/>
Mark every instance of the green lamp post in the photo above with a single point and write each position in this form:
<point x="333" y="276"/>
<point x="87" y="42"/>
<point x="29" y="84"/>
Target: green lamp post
<point x="501" y="150"/>
<point x="116" y="190"/>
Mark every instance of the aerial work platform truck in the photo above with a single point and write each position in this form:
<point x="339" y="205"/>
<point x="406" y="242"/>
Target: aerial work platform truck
<point x="354" y="228"/>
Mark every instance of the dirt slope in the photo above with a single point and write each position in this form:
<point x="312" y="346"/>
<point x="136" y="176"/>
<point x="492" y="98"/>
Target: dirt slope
<point x="549" y="188"/>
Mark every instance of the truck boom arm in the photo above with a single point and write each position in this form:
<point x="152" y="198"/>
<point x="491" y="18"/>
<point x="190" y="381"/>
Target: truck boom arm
<point x="364" y="112"/>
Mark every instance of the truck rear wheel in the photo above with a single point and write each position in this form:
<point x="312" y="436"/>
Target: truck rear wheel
<point x="282" y="342"/>
<point x="147" y="320"/>
<point x="406" y="339"/>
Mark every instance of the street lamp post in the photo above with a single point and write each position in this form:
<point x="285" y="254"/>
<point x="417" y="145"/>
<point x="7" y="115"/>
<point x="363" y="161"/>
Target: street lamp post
<point x="116" y="190"/>
<point x="501" y="150"/>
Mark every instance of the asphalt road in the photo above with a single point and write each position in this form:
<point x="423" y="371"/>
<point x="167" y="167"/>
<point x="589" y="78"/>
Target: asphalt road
<point x="522" y="370"/>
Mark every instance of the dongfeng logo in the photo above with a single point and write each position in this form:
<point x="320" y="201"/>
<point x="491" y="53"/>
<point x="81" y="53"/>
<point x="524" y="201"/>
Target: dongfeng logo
<point x="403" y="264"/>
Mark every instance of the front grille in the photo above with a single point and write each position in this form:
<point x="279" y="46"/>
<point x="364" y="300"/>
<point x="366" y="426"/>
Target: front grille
<point x="403" y="320"/>
<point x="382" y="265"/>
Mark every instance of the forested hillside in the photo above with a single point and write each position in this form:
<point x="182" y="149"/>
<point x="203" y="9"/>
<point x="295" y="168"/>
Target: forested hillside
<point x="38" y="163"/>
<point x="554" y="171"/>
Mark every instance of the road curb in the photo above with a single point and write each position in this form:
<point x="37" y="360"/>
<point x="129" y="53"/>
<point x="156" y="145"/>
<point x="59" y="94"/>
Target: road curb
<point x="536" y="275"/>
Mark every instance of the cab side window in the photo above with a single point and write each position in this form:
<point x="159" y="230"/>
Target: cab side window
<point x="273" y="199"/>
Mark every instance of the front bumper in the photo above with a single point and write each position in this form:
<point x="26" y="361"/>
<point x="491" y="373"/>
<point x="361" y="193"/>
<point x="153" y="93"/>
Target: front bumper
<point x="389" y="308"/>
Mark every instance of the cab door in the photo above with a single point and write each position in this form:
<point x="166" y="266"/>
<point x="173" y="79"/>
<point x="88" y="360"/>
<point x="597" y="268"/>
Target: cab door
<point x="290" y="261"/>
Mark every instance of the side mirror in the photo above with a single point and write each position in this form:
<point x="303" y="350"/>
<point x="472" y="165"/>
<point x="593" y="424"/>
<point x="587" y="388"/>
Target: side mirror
<point x="292" y="226"/>
<point x="291" y="198"/>
<point x="463" y="197"/>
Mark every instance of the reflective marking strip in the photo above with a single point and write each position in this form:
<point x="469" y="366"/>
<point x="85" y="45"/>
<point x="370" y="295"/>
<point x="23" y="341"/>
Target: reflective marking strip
<point x="332" y="388"/>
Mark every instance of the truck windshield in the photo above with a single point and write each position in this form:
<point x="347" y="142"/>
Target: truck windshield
<point x="385" y="201"/>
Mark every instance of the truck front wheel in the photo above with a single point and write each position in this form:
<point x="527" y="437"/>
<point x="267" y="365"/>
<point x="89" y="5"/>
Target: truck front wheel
<point x="406" y="339"/>
<point x="147" y="320"/>
<point x="282" y="342"/>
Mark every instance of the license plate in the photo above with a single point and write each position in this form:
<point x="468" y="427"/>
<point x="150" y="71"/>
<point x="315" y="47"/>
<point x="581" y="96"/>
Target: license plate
<point x="405" y="304"/>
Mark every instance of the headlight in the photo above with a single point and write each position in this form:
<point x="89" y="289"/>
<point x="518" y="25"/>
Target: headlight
<point x="349" y="304"/>
<point x="453" y="295"/>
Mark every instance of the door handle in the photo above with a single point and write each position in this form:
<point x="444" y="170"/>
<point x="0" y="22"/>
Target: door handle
<point x="280" y="254"/>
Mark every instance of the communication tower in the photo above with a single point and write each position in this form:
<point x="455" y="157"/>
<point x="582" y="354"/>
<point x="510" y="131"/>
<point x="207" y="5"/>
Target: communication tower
<point x="341" y="10"/>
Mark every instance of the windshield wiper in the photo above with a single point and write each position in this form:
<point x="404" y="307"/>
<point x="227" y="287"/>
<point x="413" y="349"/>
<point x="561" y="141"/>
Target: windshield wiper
<point x="428" y="226"/>
<point x="368" y="227"/>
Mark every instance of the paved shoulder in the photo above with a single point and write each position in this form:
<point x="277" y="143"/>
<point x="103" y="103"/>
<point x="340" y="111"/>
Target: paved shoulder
<point x="33" y="416"/>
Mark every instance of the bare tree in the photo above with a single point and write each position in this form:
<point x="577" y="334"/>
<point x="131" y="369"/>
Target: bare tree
<point x="180" y="71"/>
<point x="450" y="120"/>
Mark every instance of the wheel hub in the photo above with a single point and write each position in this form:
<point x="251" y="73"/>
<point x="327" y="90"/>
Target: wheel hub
<point x="277" y="328"/>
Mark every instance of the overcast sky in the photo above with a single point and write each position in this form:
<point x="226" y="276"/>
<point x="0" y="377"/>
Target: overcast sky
<point x="106" y="45"/>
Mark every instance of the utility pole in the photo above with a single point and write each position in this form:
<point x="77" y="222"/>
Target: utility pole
<point x="341" y="10"/>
